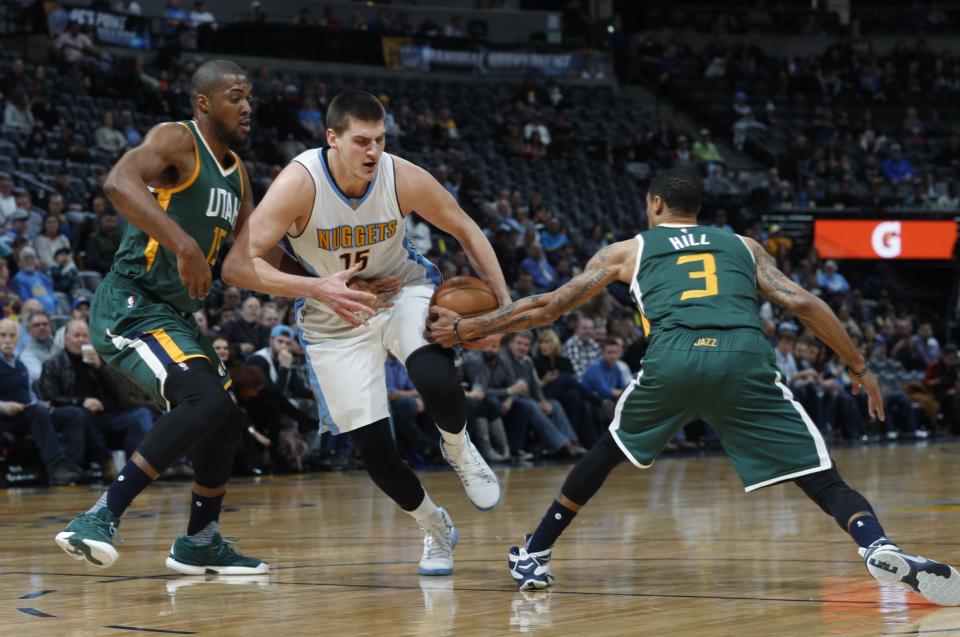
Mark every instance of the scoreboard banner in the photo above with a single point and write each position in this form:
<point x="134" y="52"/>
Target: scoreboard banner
<point x="884" y="239"/>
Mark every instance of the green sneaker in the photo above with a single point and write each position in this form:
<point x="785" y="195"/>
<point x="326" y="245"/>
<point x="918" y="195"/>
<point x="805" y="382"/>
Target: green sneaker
<point x="217" y="557"/>
<point x="90" y="537"/>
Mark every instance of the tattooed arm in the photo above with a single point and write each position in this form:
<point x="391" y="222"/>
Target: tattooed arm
<point x="612" y="263"/>
<point x="816" y="315"/>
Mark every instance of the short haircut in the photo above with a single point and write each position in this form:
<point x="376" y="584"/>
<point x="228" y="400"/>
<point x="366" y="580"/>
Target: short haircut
<point x="680" y="188"/>
<point x="527" y="334"/>
<point x="613" y="340"/>
<point x="42" y="313"/>
<point x="358" y="105"/>
<point x="210" y="75"/>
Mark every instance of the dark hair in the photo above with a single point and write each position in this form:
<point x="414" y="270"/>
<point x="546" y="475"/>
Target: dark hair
<point x="359" y="105"/>
<point x="613" y="340"/>
<point x="680" y="188"/>
<point x="210" y="75"/>
<point x="248" y="378"/>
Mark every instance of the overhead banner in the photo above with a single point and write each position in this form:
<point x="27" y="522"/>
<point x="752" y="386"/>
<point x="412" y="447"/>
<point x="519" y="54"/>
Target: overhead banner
<point x="884" y="239"/>
<point x="585" y="64"/>
<point x="107" y="27"/>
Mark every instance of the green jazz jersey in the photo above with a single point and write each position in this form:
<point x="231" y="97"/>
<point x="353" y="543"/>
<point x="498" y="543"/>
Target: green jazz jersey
<point x="205" y="206"/>
<point x="695" y="277"/>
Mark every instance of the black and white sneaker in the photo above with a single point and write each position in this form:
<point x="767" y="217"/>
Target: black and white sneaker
<point x="938" y="582"/>
<point x="530" y="571"/>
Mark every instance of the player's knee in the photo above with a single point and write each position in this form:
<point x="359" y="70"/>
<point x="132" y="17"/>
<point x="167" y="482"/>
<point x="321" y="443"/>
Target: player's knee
<point x="433" y="373"/>
<point x="832" y="494"/>
<point x="198" y="389"/>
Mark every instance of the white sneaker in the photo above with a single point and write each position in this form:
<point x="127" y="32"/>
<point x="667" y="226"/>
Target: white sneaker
<point x="439" y="538"/>
<point x="479" y="480"/>
<point x="938" y="582"/>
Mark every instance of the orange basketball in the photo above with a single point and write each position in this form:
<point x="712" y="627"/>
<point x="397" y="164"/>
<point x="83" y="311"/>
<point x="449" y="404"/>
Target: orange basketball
<point x="466" y="295"/>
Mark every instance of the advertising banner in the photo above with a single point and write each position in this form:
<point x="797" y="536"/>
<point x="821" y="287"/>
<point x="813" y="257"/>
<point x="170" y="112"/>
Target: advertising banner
<point x="106" y="27"/>
<point x="884" y="239"/>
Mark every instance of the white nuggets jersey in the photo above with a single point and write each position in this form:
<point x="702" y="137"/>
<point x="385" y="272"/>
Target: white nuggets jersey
<point x="345" y="230"/>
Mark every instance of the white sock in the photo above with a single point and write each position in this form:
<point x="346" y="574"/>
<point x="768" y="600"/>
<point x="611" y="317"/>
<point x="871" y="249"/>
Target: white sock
<point x="426" y="509"/>
<point x="454" y="440"/>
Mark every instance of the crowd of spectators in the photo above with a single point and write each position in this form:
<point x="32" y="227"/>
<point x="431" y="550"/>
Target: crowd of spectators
<point x="550" y="402"/>
<point x="847" y="128"/>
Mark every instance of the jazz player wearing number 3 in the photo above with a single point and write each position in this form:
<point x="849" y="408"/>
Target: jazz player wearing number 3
<point x="698" y="288"/>
<point x="183" y="191"/>
<point x="343" y="209"/>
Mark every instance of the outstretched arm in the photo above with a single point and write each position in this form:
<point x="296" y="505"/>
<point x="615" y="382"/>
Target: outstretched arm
<point x="816" y="315"/>
<point x="613" y="263"/>
<point x="418" y="191"/>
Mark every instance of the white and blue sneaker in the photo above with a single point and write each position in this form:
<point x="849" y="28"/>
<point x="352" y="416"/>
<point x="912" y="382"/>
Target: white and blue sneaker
<point x="938" y="582"/>
<point x="479" y="480"/>
<point x="530" y="571"/>
<point x="439" y="539"/>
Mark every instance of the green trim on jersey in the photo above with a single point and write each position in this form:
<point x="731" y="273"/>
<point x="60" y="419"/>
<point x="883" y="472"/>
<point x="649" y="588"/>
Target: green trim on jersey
<point x="205" y="206"/>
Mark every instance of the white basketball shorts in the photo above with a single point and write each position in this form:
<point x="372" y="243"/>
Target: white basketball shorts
<point x="348" y="369"/>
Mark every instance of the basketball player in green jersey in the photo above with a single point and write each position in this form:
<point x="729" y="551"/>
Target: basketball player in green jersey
<point x="183" y="192"/>
<point x="697" y="288"/>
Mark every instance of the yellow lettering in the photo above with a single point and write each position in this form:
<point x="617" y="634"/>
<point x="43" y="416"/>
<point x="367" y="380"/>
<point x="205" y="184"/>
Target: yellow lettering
<point x="346" y="237"/>
<point x="323" y="239"/>
<point x="360" y="236"/>
<point x="708" y="274"/>
<point x="391" y="229"/>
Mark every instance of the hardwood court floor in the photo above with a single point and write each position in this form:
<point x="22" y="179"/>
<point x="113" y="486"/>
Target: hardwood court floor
<point x="676" y="550"/>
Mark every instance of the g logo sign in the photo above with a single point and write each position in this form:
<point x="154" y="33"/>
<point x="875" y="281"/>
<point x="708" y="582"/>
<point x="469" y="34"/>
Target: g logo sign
<point x="886" y="239"/>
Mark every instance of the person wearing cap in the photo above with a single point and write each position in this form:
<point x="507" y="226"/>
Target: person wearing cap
<point x="64" y="273"/>
<point x="896" y="167"/>
<point x="277" y="362"/>
<point x="80" y="310"/>
<point x="17" y="226"/>
<point x="705" y="151"/>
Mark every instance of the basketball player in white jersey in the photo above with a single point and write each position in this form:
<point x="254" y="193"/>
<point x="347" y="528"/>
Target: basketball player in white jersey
<point x="342" y="208"/>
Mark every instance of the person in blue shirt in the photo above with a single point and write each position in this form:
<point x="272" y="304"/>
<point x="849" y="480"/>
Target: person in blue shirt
<point x="603" y="377"/>
<point x="831" y="281"/>
<point x="544" y="276"/>
<point x="21" y="413"/>
<point x="896" y="167"/>
<point x="30" y="283"/>
<point x="553" y="238"/>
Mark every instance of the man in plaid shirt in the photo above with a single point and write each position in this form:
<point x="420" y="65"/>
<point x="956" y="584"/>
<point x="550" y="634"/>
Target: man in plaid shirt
<point x="580" y="348"/>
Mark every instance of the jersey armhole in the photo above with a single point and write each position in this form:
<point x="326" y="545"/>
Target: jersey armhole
<point x="315" y="191"/>
<point x="396" y="191"/>
<point x="192" y="178"/>
<point x="635" y="282"/>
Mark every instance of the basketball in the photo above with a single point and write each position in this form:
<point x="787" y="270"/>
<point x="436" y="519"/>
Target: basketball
<point x="466" y="295"/>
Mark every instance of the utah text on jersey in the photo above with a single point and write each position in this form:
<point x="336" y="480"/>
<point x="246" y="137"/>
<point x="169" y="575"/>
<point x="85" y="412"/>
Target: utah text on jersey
<point x="223" y="203"/>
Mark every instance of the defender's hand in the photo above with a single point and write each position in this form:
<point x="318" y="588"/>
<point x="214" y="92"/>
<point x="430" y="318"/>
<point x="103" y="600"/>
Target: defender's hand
<point x="345" y="303"/>
<point x="385" y="287"/>
<point x="874" y="395"/>
<point x="194" y="271"/>
<point x="440" y="326"/>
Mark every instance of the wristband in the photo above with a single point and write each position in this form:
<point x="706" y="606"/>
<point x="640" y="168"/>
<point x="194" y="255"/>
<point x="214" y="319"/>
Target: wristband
<point x="456" y="331"/>
<point x="861" y="373"/>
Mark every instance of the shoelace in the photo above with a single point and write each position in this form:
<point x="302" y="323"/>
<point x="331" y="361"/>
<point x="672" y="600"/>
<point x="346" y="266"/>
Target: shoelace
<point x="433" y="549"/>
<point x="472" y="456"/>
